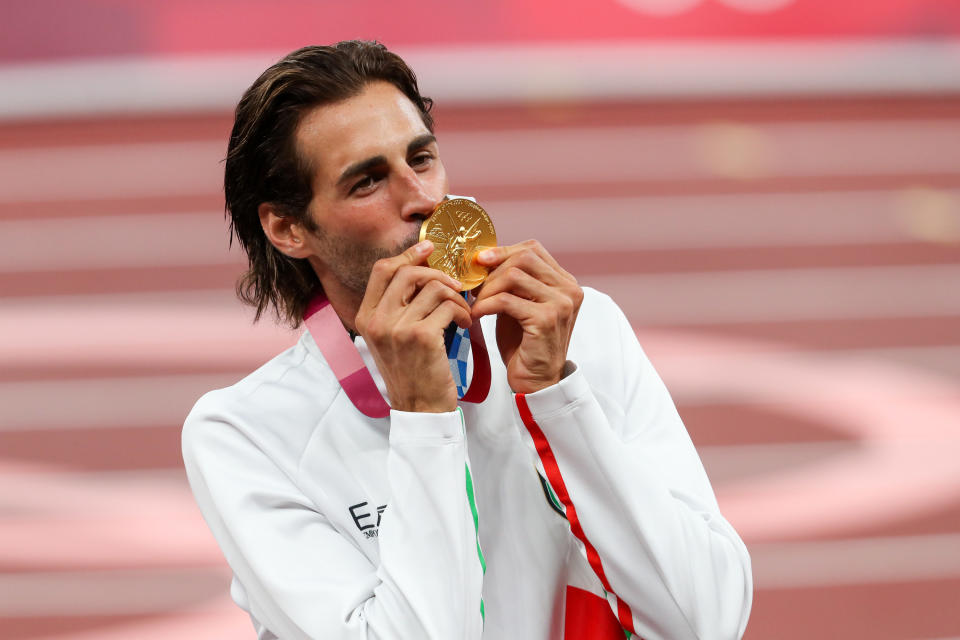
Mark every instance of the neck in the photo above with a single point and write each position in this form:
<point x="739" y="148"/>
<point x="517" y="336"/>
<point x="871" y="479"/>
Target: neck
<point x="346" y="302"/>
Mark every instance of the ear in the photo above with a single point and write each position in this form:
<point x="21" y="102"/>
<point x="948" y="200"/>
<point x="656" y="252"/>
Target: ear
<point x="283" y="232"/>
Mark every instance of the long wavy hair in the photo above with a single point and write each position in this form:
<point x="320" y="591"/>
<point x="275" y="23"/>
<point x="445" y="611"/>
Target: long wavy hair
<point x="263" y="163"/>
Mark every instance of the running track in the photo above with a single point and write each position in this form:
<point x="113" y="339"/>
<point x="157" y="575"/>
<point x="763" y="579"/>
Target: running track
<point x="791" y="268"/>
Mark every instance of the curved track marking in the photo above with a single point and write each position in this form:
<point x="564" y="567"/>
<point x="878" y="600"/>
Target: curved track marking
<point x="905" y="422"/>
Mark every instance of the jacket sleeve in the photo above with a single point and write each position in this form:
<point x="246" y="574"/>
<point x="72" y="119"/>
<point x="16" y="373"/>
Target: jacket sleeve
<point x="637" y="497"/>
<point x="303" y="578"/>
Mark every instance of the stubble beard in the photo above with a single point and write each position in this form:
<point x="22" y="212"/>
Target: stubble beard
<point x="351" y="262"/>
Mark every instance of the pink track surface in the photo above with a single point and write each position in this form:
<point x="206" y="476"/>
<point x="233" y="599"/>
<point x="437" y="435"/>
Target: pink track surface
<point x="791" y="269"/>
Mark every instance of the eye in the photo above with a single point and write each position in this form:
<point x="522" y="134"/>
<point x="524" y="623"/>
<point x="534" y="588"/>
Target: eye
<point x="363" y="185"/>
<point x="421" y="160"/>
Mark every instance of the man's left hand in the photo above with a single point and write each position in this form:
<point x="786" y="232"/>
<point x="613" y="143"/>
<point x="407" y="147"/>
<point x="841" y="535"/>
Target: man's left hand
<point x="536" y="303"/>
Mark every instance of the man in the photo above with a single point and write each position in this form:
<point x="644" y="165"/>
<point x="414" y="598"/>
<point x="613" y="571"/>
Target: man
<point x="565" y="502"/>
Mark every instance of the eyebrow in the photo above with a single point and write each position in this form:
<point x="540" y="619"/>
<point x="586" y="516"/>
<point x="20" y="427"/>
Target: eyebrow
<point x="362" y="167"/>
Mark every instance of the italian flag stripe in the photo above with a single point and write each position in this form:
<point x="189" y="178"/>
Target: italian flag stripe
<point x="550" y="466"/>
<point x="476" y="517"/>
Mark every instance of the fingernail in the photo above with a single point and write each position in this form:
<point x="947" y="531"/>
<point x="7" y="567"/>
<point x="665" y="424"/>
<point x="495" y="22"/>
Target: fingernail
<point x="424" y="246"/>
<point x="487" y="255"/>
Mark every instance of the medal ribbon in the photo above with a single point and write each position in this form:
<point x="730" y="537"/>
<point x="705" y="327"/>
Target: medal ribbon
<point x="341" y="354"/>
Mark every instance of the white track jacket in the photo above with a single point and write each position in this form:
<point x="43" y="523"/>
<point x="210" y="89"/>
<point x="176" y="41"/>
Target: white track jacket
<point x="579" y="511"/>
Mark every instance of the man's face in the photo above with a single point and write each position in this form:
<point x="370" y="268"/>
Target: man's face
<point x="377" y="175"/>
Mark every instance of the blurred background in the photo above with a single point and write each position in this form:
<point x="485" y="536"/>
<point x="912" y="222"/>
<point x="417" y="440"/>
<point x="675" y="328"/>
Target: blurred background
<point x="769" y="188"/>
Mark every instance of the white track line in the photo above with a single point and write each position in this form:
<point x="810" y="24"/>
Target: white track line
<point x="218" y="619"/>
<point x="541" y="156"/>
<point x="112" y="171"/>
<point x="106" y="402"/>
<point x="944" y="359"/>
<point x="601" y="224"/>
<point x="791" y="565"/>
<point x="741" y="220"/>
<point x="517" y="73"/>
<point x="109" y="593"/>
<point x="118" y="242"/>
<point x="728" y="463"/>
<point x="705" y="150"/>
<point x="784" y="294"/>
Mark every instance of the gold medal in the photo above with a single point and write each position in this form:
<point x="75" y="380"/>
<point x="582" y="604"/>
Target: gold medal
<point x="459" y="229"/>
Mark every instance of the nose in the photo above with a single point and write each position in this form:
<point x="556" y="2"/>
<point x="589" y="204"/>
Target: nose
<point x="415" y="196"/>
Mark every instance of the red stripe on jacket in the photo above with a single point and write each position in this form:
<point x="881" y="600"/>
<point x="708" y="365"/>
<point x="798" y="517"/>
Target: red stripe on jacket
<point x="550" y="466"/>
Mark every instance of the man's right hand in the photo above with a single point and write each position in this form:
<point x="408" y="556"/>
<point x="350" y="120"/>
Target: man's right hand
<point x="406" y="307"/>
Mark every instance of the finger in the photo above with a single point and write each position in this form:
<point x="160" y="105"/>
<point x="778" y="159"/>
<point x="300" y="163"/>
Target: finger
<point x="498" y="255"/>
<point x="501" y="277"/>
<point x="386" y="269"/>
<point x="433" y="295"/>
<point x="518" y="308"/>
<point x="520" y="282"/>
<point x="409" y="280"/>
<point x="446" y="312"/>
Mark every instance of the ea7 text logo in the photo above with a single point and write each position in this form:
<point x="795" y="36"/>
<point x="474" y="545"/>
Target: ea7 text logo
<point x="363" y="516"/>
